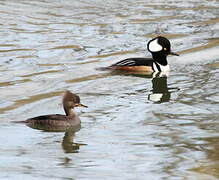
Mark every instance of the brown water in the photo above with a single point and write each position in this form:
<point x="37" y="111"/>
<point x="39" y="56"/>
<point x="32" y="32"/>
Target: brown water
<point x="47" y="47"/>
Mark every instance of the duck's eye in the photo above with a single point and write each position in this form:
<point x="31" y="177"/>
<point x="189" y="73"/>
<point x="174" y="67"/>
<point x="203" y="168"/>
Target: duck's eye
<point x="164" y="49"/>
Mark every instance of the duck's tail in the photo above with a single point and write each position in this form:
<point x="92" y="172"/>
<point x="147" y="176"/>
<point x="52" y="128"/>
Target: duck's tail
<point x="18" y="122"/>
<point x="104" y="68"/>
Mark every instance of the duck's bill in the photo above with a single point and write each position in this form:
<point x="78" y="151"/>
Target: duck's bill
<point x="173" y="54"/>
<point x="80" y="105"/>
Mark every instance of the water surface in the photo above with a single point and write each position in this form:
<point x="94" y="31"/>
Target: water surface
<point x="137" y="125"/>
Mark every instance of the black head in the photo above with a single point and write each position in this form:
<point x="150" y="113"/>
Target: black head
<point x="71" y="100"/>
<point x="160" y="45"/>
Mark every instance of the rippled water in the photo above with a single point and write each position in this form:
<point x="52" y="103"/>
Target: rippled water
<point x="127" y="132"/>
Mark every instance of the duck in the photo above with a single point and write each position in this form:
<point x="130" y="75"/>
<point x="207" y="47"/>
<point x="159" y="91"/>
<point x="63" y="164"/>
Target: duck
<point x="59" y="121"/>
<point x="159" y="47"/>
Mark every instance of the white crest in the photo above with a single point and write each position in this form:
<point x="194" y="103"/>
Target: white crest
<point x="154" y="46"/>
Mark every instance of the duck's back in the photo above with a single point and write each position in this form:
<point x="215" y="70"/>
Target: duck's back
<point x="53" y="120"/>
<point x="135" y="62"/>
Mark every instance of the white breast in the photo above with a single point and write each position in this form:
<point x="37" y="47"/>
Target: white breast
<point x="163" y="68"/>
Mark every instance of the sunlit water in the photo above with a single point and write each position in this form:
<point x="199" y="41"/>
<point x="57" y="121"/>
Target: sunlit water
<point x="137" y="126"/>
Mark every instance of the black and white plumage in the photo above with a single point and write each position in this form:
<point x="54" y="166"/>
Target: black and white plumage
<point x="159" y="47"/>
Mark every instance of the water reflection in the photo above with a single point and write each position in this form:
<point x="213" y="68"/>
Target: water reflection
<point x="68" y="144"/>
<point x="46" y="47"/>
<point x="211" y="165"/>
<point x="160" y="90"/>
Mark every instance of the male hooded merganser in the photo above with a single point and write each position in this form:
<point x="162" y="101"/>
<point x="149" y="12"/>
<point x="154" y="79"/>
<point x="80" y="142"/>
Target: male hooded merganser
<point x="159" y="47"/>
<point x="71" y="119"/>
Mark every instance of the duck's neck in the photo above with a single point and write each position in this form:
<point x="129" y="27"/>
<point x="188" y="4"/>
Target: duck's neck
<point x="160" y="58"/>
<point x="70" y="112"/>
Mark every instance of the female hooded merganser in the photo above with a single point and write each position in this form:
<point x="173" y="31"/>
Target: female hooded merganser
<point x="159" y="47"/>
<point x="52" y="121"/>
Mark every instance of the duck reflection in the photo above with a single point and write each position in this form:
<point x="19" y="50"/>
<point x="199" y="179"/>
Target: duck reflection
<point x="68" y="144"/>
<point x="160" y="91"/>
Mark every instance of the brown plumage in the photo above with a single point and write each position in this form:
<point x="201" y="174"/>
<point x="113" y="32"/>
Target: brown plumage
<point x="133" y="68"/>
<point x="59" y="121"/>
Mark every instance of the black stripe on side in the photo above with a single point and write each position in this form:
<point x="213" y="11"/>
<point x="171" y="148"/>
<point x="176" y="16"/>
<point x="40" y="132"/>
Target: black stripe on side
<point x="158" y="67"/>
